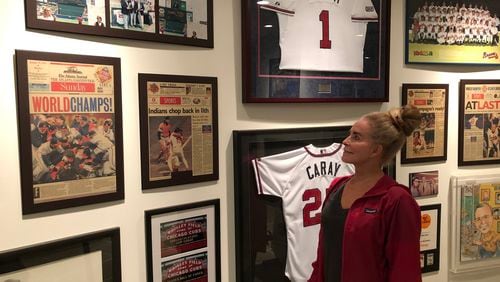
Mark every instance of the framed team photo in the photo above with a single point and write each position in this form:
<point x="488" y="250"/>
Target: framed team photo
<point x="430" y="237"/>
<point x="428" y="143"/>
<point x="299" y="52"/>
<point x="452" y="32"/>
<point x="479" y="113"/>
<point x="261" y="224"/>
<point x="183" y="242"/>
<point x="70" y="130"/>
<point x="179" y="129"/>
<point x="186" y="22"/>
<point x="88" y="257"/>
<point x="424" y="183"/>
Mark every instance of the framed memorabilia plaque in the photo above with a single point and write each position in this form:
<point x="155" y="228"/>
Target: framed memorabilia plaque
<point x="179" y="129"/>
<point x="425" y="183"/>
<point x="170" y="21"/>
<point x="428" y="143"/>
<point x="89" y="257"/>
<point x="183" y="242"/>
<point x="452" y="32"/>
<point x="430" y="237"/>
<point x="326" y="51"/>
<point x="479" y="113"/>
<point x="70" y="130"/>
<point x="261" y="227"/>
<point x="475" y="216"/>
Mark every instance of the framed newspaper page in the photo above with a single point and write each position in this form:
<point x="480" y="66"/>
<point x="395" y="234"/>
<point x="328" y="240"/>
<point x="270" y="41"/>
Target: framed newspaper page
<point x="452" y="32"/>
<point x="185" y="22"/>
<point x="428" y="143"/>
<point x="88" y="257"/>
<point x="323" y="51"/>
<point x="479" y="112"/>
<point x="430" y="237"/>
<point x="70" y="130"/>
<point x="183" y="243"/>
<point x="261" y="227"/>
<point x="179" y="129"/>
<point x="475" y="236"/>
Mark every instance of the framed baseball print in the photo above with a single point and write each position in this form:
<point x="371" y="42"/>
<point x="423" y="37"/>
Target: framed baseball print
<point x="424" y="183"/>
<point x="183" y="243"/>
<point x="179" y="129"/>
<point x="430" y="237"/>
<point x="273" y="220"/>
<point x="88" y="257"/>
<point x="428" y="143"/>
<point x="186" y="22"/>
<point x="70" y="130"/>
<point x="323" y="51"/>
<point x="479" y="112"/>
<point x="452" y="32"/>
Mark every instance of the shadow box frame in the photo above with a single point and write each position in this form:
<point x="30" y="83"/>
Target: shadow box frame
<point x="62" y="102"/>
<point x="177" y="100"/>
<point x="194" y="233"/>
<point x="251" y="209"/>
<point x="429" y="52"/>
<point x="265" y="82"/>
<point x="426" y="106"/>
<point x="65" y="25"/>
<point x="482" y="96"/>
<point x="431" y="257"/>
<point x="33" y="258"/>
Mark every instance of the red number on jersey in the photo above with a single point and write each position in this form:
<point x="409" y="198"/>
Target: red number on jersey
<point x="311" y="214"/>
<point x="325" y="42"/>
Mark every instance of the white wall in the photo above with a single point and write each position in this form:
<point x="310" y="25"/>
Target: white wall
<point x="224" y="62"/>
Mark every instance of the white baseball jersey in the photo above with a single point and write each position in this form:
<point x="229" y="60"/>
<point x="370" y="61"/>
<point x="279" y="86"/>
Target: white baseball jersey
<point x="322" y="35"/>
<point x="301" y="177"/>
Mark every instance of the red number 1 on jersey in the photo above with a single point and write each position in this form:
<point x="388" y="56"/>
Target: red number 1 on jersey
<point x="325" y="42"/>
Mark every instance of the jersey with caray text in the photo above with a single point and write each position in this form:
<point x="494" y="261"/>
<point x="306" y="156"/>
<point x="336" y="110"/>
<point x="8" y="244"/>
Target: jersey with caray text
<point x="322" y="35"/>
<point x="301" y="177"/>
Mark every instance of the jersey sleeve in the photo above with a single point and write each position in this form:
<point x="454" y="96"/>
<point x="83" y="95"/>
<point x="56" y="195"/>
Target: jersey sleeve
<point x="364" y="11"/>
<point x="285" y="7"/>
<point x="272" y="173"/>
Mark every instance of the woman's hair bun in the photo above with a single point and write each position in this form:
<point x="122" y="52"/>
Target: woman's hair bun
<point x="405" y="118"/>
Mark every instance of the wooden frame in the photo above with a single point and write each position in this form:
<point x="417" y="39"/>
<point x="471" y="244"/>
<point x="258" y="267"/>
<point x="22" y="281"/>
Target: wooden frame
<point x="70" y="130"/>
<point x="183" y="242"/>
<point x="259" y="219"/>
<point x="269" y="78"/>
<point x="432" y="42"/>
<point x="155" y="20"/>
<point x="184" y="107"/>
<point x="89" y="257"/>
<point x="424" y="183"/>
<point x="478" y="130"/>
<point x="430" y="237"/>
<point x="429" y="142"/>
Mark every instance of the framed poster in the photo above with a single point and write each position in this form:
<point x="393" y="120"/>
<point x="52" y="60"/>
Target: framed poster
<point x="430" y="237"/>
<point x="183" y="242"/>
<point x="185" y="22"/>
<point x="479" y="112"/>
<point x="89" y="257"/>
<point x="297" y="52"/>
<point x="261" y="230"/>
<point x="452" y="32"/>
<point x="428" y="143"/>
<point x="179" y="129"/>
<point x="70" y="130"/>
<point x="475" y="237"/>
<point x="425" y="183"/>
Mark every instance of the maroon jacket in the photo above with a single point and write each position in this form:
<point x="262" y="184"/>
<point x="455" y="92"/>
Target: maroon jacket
<point x="381" y="236"/>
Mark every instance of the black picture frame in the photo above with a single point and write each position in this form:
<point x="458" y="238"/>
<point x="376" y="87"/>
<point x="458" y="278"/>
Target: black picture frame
<point x="55" y="255"/>
<point x="68" y="88"/>
<point x="432" y="100"/>
<point x="192" y="97"/>
<point x="265" y="82"/>
<point x="159" y="24"/>
<point x="255" y="214"/>
<point x="421" y="47"/>
<point x="479" y="101"/>
<point x="200" y="244"/>
<point x="429" y="258"/>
